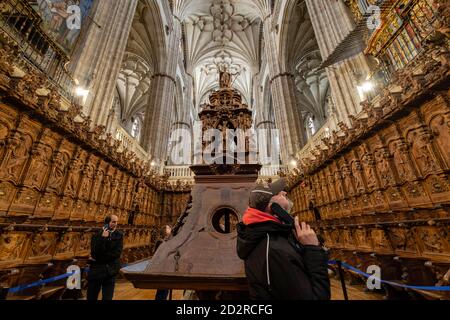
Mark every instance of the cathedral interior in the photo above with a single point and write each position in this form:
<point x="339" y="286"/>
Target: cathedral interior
<point x="95" y="93"/>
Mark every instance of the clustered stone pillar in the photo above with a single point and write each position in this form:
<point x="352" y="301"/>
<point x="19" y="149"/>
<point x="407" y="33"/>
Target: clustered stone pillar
<point x="160" y="106"/>
<point x="332" y="23"/>
<point x="98" y="64"/>
<point x="287" y="116"/>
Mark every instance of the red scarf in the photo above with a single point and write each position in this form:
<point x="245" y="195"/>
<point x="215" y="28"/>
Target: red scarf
<point x="252" y="216"/>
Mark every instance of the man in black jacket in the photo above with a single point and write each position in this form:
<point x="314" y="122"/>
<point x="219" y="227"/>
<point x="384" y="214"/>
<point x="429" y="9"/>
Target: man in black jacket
<point x="283" y="258"/>
<point x="106" y="249"/>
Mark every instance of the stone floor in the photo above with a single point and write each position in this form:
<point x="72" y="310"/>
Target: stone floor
<point x="126" y="291"/>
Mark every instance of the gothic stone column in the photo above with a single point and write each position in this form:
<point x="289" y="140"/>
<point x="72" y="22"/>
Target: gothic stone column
<point x="100" y="58"/>
<point x="287" y="116"/>
<point x="332" y="23"/>
<point x="160" y="106"/>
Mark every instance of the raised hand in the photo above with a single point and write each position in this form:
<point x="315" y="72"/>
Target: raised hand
<point x="305" y="235"/>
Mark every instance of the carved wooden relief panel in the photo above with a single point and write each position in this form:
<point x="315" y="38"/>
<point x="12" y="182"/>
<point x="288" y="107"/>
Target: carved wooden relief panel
<point x="434" y="241"/>
<point x="42" y="248"/>
<point x="12" y="248"/>
<point x="67" y="245"/>
<point x="403" y="240"/>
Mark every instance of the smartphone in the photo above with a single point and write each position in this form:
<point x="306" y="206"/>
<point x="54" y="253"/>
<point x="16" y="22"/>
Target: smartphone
<point x="282" y="214"/>
<point x="107" y="221"/>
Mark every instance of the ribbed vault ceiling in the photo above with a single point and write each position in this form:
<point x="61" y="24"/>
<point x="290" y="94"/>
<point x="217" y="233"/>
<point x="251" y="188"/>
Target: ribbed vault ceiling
<point x="221" y="34"/>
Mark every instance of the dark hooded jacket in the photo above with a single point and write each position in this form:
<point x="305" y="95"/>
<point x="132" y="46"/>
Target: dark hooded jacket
<point x="106" y="254"/>
<point x="278" y="267"/>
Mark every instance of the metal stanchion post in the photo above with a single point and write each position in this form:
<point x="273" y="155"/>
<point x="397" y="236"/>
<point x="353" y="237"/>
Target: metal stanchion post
<point x="341" y="275"/>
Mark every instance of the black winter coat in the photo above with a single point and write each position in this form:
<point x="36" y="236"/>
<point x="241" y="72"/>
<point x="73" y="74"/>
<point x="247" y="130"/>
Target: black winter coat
<point x="278" y="267"/>
<point x="106" y="254"/>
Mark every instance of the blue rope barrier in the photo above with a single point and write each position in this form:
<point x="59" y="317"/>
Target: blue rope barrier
<point x="49" y="280"/>
<point x="331" y="262"/>
<point x="424" y="288"/>
<point x="40" y="282"/>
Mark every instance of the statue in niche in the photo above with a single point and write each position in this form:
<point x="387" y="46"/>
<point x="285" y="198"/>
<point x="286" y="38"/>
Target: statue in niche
<point x="225" y="79"/>
<point x="369" y="169"/>
<point x="357" y="174"/>
<point x="84" y="191"/>
<point x="106" y="189"/>
<point x="73" y="177"/>
<point x="20" y="151"/>
<point x="371" y="175"/>
<point x="122" y="192"/>
<point x="59" y="171"/>
<point x="347" y="179"/>
<point x="399" y="151"/>
<point x="338" y="179"/>
<point x="39" y="166"/>
<point x="331" y="188"/>
<point x="114" y="193"/>
<point x="420" y="141"/>
<point x="384" y="168"/>
<point x="97" y="184"/>
<point x="440" y="127"/>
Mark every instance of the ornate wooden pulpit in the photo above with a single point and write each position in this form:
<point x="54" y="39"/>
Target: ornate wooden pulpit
<point x="202" y="255"/>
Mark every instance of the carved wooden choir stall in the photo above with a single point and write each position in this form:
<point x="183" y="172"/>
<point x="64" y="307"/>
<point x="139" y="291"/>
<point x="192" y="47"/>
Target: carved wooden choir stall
<point x="379" y="192"/>
<point x="58" y="181"/>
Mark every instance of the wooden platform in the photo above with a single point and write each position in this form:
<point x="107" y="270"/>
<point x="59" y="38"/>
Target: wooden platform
<point x="126" y="291"/>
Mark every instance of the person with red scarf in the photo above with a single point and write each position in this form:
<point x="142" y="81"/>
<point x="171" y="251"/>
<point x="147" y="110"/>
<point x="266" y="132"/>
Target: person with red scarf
<point x="283" y="257"/>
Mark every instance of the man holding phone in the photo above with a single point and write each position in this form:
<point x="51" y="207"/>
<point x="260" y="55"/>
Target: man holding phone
<point x="106" y="249"/>
<point x="283" y="257"/>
